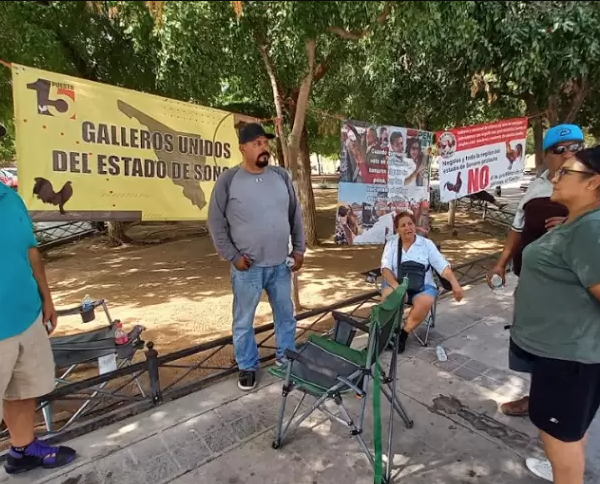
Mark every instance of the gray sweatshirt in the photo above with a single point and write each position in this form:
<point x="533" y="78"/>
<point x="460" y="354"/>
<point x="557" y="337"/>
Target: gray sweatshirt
<point x="255" y="214"/>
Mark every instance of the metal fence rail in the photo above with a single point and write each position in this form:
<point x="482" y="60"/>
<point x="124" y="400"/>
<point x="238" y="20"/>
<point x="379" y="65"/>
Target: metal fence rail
<point x="193" y="368"/>
<point x="52" y="236"/>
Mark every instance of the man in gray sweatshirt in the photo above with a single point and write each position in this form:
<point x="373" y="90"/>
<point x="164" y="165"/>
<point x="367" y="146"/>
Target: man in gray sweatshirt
<point x="252" y="214"/>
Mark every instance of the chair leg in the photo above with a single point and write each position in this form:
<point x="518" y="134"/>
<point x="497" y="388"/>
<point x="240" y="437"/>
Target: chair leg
<point x="294" y="422"/>
<point x="390" y="382"/>
<point x="47" y="413"/>
<point x="429" y="323"/>
<point x="354" y="430"/>
<point x="278" y="431"/>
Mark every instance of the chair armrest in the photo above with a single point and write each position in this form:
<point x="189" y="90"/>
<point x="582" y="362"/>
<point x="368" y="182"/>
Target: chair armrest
<point x="72" y="311"/>
<point x="346" y="318"/>
<point x="312" y="366"/>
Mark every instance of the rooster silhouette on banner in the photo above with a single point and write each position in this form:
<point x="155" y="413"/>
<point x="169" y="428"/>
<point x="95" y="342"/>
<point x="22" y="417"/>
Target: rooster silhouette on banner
<point x="45" y="192"/>
<point x="454" y="187"/>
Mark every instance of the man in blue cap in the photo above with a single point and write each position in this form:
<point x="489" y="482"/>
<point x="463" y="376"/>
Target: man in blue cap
<point x="535" y="215"/>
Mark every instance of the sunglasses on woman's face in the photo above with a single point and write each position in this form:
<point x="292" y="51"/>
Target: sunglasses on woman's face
<point x="573" y="147"/>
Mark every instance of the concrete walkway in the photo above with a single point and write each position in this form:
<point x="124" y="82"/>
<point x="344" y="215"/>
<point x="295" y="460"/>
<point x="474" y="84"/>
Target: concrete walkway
<point x="220" y="435"/>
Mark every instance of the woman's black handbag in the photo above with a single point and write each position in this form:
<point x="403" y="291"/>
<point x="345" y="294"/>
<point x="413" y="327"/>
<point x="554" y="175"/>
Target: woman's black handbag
<point x="416" y="272"/>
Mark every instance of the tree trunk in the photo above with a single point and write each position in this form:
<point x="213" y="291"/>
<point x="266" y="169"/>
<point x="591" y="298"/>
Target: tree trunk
<point x="538" y="138"/>
<point x="305" y="192"/>
<point x="300" y="107"/>
<point x="116" y="234"/>
<point x="552" y="111"/>
<point x="536" y="125"/>
<point x="451" y="213"/>
<point x="280" y="157"/>
<point x="319" y="167"/>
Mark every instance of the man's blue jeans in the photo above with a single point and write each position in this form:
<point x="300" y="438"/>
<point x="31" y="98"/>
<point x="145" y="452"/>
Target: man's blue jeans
<point x="247" y="291"/>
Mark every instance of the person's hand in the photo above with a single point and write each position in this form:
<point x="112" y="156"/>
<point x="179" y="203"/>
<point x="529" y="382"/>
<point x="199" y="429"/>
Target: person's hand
<point x="553" y="221"/>
<point x="298" y="261"/>
<point x="458" y="293"/>
<point x="497" y="270"/>
<point x="49" y="316"/>
<point x="242" y="263"/>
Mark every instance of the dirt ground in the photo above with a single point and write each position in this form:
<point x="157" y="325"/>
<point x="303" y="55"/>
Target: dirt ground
<point x="179" y="289"/>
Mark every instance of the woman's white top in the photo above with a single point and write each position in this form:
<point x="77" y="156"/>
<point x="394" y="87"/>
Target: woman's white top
<point x="423" y="250"/>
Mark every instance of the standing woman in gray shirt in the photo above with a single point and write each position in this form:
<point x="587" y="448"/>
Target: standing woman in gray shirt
<point x="556" y="327"/>
<point x="252" y="214"/>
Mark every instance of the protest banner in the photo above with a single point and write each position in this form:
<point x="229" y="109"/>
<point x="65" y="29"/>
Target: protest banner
<point x="89" y="151"/>
<point x="384" y="170"/>
<point x="482" y="156"/>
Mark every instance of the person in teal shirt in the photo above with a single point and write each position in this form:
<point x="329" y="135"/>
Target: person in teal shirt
<point x="27" y="317"/>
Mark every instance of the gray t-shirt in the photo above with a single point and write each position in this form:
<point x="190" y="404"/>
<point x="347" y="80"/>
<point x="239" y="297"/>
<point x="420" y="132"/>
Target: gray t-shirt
<point x="556" y="316"/>
<point x="252" y="216"/>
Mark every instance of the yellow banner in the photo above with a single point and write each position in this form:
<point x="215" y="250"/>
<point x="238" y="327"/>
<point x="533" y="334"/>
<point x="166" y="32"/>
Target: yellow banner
<point x="89" y="151"/>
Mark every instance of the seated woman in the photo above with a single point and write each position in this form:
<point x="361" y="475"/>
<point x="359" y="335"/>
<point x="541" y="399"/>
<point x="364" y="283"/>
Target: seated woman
<point x="556" y="322"/>
<point x="415" y="248"/>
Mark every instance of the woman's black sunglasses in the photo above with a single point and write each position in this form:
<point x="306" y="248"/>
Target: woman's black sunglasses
<point x="573" y="148"/>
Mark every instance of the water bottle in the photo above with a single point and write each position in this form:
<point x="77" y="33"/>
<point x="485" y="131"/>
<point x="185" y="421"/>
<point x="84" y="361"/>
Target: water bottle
<point x="121" y="337"/>
<point x="289" y="261"/>
<point x="87" y="303"/>
<point x="496" y="281"/>
<point x="441" y="354"/>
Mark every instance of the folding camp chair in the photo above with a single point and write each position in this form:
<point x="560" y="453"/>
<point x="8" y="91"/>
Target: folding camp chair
<point x="326" y="369"/>
<point x="372" y="277"/>
<point x="96" y="346"/>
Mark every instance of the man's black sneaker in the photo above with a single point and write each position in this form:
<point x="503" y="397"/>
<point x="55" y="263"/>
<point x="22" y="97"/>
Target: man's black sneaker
<point x="37" y="454"/>
<point x="247" y="380"/>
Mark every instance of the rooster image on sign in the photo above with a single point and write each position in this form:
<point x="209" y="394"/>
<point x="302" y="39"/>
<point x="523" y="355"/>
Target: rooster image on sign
<point x="45" y="192"/>
<point x="454" y="187"/>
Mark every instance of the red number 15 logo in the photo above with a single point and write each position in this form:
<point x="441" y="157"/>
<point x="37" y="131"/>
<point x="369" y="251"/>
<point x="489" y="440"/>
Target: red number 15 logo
<point x="57" y="103"/>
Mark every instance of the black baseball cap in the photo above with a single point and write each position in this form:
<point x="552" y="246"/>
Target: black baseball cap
<point x="249" y="132"/>
<point x="2" y="131"/>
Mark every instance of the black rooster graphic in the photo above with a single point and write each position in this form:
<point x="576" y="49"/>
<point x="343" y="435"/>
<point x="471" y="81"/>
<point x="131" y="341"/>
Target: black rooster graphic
<point x="45" y="192"/>
<point x="454" y="187"/>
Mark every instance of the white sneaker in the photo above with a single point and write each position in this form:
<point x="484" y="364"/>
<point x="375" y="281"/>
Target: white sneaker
<point x="540" y="468"/>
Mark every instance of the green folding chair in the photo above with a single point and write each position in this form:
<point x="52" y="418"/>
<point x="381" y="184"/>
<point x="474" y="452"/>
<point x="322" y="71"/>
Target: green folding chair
<point x="327" y="369"/>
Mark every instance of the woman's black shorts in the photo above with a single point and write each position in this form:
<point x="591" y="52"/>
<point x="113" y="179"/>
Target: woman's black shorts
<point x="564" y="395"/>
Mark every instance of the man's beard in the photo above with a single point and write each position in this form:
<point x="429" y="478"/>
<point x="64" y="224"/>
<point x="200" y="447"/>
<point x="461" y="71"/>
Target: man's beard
<point x="263" y="159"/>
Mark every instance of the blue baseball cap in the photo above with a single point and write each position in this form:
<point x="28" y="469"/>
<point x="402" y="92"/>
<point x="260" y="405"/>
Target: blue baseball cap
<point x="561" y="133"/>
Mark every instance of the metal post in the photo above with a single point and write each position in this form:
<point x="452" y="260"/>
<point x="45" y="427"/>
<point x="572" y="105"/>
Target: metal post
<point x="153" y="373"/>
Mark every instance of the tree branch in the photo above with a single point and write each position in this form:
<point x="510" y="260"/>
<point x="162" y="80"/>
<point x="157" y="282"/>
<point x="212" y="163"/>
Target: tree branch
<point x="263" y="48"/>
<point x="321" y="69"/>
<point x="553" y="109"/>
<point x="582" y="91"/>
<point x="359" y="34"/>
<point x="301" y="106"/>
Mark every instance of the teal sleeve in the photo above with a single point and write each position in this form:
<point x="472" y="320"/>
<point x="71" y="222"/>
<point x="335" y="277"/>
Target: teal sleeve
<point x="32" y="238"/>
